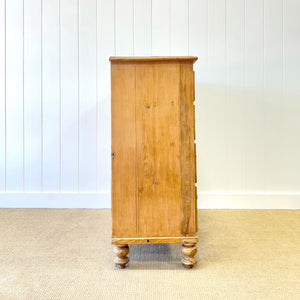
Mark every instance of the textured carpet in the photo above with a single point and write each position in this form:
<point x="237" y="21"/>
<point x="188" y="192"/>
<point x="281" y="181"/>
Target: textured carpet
<point x="66" y="254"/>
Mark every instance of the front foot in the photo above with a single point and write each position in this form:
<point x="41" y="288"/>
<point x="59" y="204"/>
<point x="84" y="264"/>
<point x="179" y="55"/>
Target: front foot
<point x="121" y="258"/>
<point x="189" y="250"/>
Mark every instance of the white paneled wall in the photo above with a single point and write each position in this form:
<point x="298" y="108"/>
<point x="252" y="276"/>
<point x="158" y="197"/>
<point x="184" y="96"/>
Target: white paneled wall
<point x="55" y="96"/>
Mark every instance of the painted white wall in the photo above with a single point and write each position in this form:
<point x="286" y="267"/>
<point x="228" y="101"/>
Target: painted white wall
<point x="55" y="96"/>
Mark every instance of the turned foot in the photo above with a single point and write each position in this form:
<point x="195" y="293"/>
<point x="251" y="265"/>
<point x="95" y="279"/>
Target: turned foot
<point x="121" y="258"/>
<point x="189" y="250"/>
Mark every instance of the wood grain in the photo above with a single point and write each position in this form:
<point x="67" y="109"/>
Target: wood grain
<point x="157" y="100"/>
<point x="121" y="258"/>
<point x="123" y="150"/>
<point x="189" y="250"/>
<point x="153" y="162"/>
<point x="187" y="150"/>
<point x="155" y="240"/>
<point x="152" y="58"/>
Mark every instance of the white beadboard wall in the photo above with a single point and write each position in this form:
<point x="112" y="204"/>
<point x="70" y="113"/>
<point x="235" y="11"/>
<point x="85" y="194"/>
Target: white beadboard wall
<point x="55" y="96"/>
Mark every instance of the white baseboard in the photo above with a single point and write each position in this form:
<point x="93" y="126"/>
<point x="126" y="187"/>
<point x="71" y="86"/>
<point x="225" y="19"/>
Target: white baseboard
<point x="102" y="200"/>
<point x="55" y="200"/>
<point x="249" y="200"/>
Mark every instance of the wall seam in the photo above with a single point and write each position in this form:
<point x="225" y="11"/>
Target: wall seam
<point x="115" y="29"/>
<point x="169" y="27"/>
<point x="23" y="90"/>
<point x="60" y="99"/>
<point x="226" y="95"/>
<point x="78" y="92"/>
<point x="42" y="100"/>
<point x="97" y="96"/>
<point x="188" y="23"/>
<point x="263" y="91"/>
<point x="151" y="27"/>
<point x="133" y="23"/>
<point x="5" y="104"/>
<point x="245" y="99"/>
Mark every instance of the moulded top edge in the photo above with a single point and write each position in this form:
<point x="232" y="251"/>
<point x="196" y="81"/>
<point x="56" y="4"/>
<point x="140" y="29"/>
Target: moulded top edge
<point x="152" y="58"/>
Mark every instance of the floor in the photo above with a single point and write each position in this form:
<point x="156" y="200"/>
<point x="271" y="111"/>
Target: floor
<point x="66" y="254"/>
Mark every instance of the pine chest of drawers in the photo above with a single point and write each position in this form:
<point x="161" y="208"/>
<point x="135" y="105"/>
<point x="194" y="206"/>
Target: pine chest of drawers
<point x="153" y="154"/>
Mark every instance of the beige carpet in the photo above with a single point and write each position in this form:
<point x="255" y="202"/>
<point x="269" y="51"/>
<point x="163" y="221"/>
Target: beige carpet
<point x="66" y="254"/>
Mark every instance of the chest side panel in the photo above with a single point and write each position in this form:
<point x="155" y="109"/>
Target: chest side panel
<point x="157" y="138"/>
<point x="123" y="189"/>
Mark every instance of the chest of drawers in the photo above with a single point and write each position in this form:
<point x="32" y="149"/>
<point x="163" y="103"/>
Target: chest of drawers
<point x="153" y="154"/>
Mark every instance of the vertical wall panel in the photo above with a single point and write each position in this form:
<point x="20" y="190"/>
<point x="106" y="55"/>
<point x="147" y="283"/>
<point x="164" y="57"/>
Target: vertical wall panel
<point x="291" y="99"/>
<point x="198" y="45"/>
<point x="105" y="49"/>
<point x="246" y="83"/>
<point x="235" y="68"/>
<point x="2" y="95"/>
<point x="217" y="106"/>
<point x="14" y="95"/>
<point x="124" y="27"/>
<point x="51" y="94"/>
<point x="255" y="108"/>
<point x="32" y="96"/>
<point x="69" y="95"/>
<point x="87" y="96"/>
<point x="161" y="27"/>
<point x="273" y="98"/>
<point x="179" y="27"/>
<point x="142" y="27"/>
